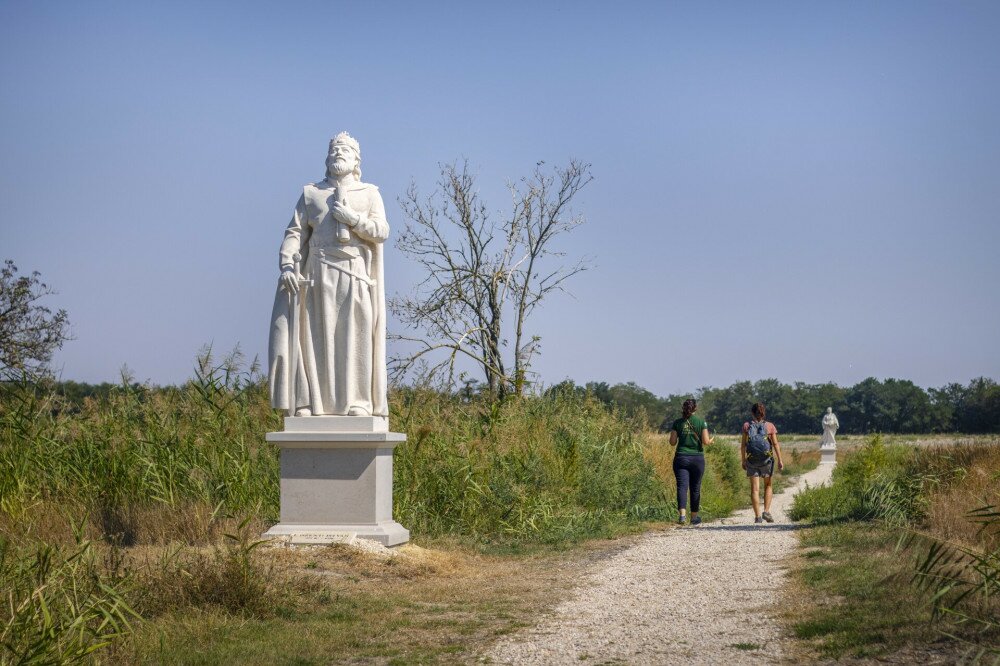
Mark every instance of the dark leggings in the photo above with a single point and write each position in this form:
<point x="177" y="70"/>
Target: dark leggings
<point x="689" y="470"/>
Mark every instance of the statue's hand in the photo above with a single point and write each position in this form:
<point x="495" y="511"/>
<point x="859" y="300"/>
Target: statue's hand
<point x="289" y="282"/>
<point x="344" y="214"/>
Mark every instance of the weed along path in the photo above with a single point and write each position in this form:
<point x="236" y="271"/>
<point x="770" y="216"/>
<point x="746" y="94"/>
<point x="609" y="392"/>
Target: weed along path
<point x="702" y="595"/>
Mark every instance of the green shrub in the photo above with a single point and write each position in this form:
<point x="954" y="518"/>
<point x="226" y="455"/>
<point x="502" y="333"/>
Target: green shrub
<point x="878" y="481"/>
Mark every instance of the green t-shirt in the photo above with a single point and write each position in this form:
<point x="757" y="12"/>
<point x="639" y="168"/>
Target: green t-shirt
<point x="689" y="435"/>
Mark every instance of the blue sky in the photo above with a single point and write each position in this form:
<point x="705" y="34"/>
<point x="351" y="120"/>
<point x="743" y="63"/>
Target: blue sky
<point x="808" y="191"/>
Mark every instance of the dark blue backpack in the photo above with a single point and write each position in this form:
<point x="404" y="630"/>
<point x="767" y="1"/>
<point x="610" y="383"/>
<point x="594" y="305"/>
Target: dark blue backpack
<point x="758" y="445"/>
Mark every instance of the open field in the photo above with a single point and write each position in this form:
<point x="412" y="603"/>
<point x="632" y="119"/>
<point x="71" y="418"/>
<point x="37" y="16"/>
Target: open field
<point x="851" y="442"/>
<point x="129" y="523"/>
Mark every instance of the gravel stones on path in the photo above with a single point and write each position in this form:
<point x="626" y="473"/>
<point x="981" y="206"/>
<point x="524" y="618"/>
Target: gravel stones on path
<point x="693" y="595"/>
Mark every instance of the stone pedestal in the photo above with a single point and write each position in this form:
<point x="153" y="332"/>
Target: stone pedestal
<point x="828" y="455"/>
<point x="336" y="480"/>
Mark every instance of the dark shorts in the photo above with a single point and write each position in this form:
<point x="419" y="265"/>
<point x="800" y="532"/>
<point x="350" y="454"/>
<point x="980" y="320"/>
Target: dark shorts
<point x="763" y="469"/>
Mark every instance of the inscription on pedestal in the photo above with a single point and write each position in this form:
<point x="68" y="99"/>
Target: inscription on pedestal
<point x="323" y="538"/>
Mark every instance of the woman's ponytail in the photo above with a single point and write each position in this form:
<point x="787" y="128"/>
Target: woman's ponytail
<point x="688" y="408"/>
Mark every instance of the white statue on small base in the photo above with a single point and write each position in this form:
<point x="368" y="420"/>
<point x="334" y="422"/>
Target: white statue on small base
<point x="327" y="343"/>
<point x="828" y="445"/>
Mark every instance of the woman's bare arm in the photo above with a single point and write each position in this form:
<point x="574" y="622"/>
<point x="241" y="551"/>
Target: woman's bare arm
<point x="673" y="438"/>
<point x="705" y="439"/>
<point x="777" y="451"/>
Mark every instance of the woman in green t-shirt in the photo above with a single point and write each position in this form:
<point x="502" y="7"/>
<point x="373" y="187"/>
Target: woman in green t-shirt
<point x="690" y="435"/>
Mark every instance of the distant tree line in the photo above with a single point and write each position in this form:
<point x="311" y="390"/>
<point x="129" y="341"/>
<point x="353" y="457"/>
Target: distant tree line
<point x="77" y="392"/>
<point x="891" y="406"/>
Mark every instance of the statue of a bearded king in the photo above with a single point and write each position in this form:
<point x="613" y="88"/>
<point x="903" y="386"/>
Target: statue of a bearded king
<point x="327" y="343"/>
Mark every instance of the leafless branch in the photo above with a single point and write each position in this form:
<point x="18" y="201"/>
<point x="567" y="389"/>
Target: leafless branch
<point x="481" y="274"/>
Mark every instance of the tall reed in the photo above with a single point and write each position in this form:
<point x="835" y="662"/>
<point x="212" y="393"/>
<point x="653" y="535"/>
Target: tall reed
<point x="171" y="448"/>
<point x="539" y="469"/>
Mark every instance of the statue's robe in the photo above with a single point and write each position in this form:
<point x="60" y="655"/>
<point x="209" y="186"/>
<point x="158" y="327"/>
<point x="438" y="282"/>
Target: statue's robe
<point x="830" y="426"/>
<point x="341" y="324"/>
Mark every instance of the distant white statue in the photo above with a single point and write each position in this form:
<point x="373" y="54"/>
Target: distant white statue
<point x="830" y="425"/>
<point x="326" y="352"/>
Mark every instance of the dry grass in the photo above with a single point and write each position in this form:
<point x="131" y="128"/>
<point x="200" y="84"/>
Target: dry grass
<point x="808" y="457"/>
<point x="979" y="486"/>
<point x="441" y="602"/>
<point x="407" y="562"/>
<point x="59" y="523"/>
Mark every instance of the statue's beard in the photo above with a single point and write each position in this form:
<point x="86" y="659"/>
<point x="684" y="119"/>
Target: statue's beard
<point x="341" y="168"/>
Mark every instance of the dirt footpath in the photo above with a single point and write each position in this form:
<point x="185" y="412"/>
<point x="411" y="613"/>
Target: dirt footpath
<point x="691" y="595"/>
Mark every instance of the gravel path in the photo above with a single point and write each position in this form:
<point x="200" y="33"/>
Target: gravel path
<point x="689" y="595"/>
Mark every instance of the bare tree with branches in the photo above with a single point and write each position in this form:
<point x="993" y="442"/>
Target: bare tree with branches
<point x="485" y="277"/>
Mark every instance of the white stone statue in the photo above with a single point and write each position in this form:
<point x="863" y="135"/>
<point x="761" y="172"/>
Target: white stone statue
<point x="830" y="425"/>
<point x="326" y="353"/>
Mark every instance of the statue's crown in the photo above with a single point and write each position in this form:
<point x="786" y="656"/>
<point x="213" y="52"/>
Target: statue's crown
<point x="346" y="139"/>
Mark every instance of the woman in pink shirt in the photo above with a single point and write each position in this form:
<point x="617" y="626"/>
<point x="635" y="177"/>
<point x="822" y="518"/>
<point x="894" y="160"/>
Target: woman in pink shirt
<point x="759" y="449"/>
